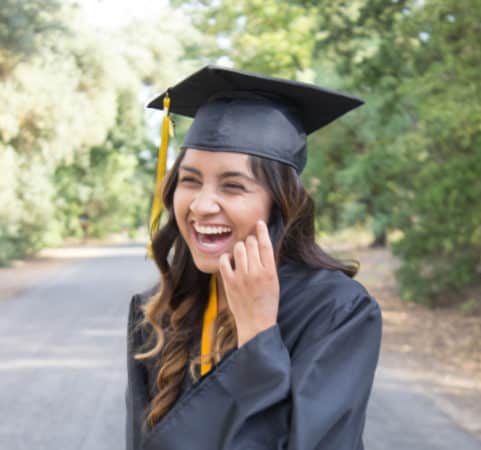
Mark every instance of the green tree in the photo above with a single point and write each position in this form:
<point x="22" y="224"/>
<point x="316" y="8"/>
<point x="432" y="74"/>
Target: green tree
<point x="438" y="212"/>
<point x="408" y="160"/>
<point x="25" y="27"/>
<point x="72" y="125"/>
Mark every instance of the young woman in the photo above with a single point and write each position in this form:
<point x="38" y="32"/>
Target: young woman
<point x="255" y="339"/>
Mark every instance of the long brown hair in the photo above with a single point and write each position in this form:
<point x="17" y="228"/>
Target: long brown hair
<point x="174" y="314"/>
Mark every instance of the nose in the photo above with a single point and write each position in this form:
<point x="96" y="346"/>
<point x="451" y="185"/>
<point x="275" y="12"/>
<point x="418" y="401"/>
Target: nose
<point x="205" y="202"/>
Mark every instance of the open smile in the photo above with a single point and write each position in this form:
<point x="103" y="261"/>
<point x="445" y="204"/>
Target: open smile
<point x="211" y="239"/>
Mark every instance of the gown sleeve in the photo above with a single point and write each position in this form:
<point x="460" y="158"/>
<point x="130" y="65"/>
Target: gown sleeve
<point x="137" y="381"/>
<point x="263" y="397"/>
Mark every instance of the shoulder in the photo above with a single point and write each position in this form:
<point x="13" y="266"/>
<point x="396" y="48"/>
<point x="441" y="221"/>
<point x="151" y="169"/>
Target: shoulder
<point x="136" y="313"/>
<point x="140" y="299"/>
<point x="322" y="298"/>
<point x="314" y="286"/>
<point x="143" y="297"/>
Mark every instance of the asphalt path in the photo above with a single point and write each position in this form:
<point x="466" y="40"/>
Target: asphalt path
<point x="62" y="365"/>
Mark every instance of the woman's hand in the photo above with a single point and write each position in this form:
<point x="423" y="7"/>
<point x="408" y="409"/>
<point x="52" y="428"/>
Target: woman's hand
<point x="252" y="288"/>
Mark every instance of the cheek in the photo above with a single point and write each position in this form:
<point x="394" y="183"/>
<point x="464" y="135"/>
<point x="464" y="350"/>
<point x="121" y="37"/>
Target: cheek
<point x="263" y="207"/>
<point x="181" y="207"/>
<point x="247" y="214"/>
<point x="266" y="210"/>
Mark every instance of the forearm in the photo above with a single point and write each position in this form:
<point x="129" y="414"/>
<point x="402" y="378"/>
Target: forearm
<point x="250" y="380"/>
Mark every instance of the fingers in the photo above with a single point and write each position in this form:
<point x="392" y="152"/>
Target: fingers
<point x="250" y="256"/>
<point x="265" y="245"/>
<point x="225" y="267"/>
<point x="253" y="256"/>
<point x="240" y="257"/>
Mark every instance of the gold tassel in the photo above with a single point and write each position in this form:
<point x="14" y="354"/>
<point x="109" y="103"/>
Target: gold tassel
<point x="210" y="314"/>
<point x="157" y="206"/>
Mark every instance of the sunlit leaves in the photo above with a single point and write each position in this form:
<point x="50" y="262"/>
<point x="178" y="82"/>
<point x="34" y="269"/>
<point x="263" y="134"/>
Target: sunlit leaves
<point x="406" y="163"/>
<point x="72" y="121"/>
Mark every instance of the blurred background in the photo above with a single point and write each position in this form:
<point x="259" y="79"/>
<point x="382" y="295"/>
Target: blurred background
<point x="397" y="183"/>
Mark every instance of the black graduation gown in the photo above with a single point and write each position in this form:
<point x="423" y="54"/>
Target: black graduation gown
<point x="302" y="384"/>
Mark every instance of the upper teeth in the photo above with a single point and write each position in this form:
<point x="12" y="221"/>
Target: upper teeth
<point x="211" y="230"/>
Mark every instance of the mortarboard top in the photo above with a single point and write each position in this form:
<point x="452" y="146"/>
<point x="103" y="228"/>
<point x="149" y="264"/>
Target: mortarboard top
<point x="256" y="114"/>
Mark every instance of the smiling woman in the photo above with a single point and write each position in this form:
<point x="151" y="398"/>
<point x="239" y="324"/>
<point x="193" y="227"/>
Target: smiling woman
<point x="216" y="207"/>
<point x="255" y="338"/>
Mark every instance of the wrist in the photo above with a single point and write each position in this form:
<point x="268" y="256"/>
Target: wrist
<point x="245" y="336"/>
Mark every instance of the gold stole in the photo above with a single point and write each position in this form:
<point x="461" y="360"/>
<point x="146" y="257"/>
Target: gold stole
<point x="210" y="315"/>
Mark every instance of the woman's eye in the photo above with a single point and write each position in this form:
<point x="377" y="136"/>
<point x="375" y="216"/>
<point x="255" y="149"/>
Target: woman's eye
<point x="234" y="186"/>
<point x="188" y="180"/>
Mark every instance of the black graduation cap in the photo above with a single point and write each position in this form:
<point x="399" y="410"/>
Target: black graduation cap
<point x="250" y="113"/>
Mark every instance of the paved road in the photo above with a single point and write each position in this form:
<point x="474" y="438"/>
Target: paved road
<point x="62" y="366"/>
<point x="62" y="354"/>
<point x="407" y="416"/>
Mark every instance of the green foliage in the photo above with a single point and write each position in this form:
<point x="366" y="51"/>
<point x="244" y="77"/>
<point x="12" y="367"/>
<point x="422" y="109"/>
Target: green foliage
<point x="420" y="169"/>
<point x="24" y="206"/>
<point x="72" y="125"/>
<point x="107" y="183"/>
<point x="408" y="161"/>
<point x="26" y="26"/>
<point x="438" y="210"/>
<point x="267" y="36"/>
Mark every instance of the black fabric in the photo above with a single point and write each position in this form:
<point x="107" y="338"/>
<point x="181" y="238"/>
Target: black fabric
<point x="252" y="113"/>
<point x="234" y="125"/>
<point x="302" y="384"/>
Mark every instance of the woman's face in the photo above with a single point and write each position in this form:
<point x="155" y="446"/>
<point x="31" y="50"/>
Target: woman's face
<point x="217" y="202"/>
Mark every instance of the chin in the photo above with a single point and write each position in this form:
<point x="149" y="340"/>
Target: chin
<point x="207" y="266"/>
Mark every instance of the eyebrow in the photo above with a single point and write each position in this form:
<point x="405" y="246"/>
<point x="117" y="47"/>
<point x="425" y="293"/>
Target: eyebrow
<point x="227" y="174"/>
